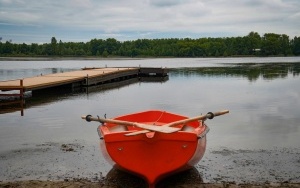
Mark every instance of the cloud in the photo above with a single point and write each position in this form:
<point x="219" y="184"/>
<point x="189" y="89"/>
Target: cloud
<point x="151" y="18"/>
<point x="165" y="3"/>
<point x="80" y="4"/>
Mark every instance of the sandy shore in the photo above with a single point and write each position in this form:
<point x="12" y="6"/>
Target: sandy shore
<point x="84" y="183"/>
<point x="120" y="179"/>
<point x="79" y="164"/>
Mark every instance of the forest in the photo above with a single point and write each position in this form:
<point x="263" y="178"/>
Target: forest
<point x="270" y="44"/>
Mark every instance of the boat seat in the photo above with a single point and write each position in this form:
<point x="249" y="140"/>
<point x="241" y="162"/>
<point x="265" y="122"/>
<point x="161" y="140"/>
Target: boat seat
<point x="188" y="128"/>
<point x="118" y="128"/>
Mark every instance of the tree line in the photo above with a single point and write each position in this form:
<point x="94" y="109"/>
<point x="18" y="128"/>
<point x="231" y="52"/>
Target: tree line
<point x="270" y="44"/>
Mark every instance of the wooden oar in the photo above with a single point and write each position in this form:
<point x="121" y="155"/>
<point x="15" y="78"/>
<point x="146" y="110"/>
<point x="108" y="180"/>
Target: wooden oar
<point x="128" y="123"/>
<point x="209" y="115"/>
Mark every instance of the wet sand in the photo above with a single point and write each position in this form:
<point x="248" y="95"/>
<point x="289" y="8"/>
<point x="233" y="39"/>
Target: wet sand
<point x="80" y="164"/>
<point x="84" y="183"/>
<point x="119" y="179"/>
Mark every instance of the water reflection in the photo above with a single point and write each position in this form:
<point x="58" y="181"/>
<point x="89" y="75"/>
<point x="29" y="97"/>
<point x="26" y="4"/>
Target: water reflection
<point x="12" y="106"/>
<point x="251" y="71"/>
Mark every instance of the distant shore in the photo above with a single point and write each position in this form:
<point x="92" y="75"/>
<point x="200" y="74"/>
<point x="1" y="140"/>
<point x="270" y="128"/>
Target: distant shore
<point x="64" y="58"/>
<point x="99" y="58"/>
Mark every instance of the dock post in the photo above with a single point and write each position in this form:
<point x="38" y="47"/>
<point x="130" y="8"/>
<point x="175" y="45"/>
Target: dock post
<point x="22" y="107"/>
<point x="21" y="89"/>
<point x="22" y="100"/>
<point x="87" y="85"/>
<point x="87" y="80"/>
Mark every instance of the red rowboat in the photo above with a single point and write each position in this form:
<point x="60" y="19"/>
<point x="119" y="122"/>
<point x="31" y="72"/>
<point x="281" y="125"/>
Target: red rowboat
<point x="153" y="144"/>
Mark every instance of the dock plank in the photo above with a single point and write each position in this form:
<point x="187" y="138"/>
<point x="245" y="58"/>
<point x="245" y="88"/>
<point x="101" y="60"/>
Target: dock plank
<point x="85" y="78"/>
<point x="90" y="72"/>
<point x="51" y="80"/>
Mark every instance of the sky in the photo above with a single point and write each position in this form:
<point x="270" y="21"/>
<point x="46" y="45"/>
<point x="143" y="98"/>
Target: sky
<point x="37" y="21"/>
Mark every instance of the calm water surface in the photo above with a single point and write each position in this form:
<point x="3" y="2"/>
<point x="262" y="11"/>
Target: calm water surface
<point x="262" y="94"/>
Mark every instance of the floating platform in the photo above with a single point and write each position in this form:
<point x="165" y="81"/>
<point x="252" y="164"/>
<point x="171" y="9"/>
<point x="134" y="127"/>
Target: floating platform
<point x="75" y="79"/>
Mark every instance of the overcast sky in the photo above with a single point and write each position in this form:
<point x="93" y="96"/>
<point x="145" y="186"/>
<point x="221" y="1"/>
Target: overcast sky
<point x="36" y="21"/>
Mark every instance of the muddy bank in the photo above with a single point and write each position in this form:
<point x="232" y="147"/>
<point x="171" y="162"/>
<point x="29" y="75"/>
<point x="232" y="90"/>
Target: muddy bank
<point x="119" y="179"/>
<point x="53" y="161"/>
<point x="84" y="183"/>
<point x="81" y="164"/>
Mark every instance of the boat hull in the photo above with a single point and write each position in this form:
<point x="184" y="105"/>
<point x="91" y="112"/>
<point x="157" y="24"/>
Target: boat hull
<point x="154" y="156"/>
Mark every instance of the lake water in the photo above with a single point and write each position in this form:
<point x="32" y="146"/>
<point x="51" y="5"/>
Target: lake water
<point x="262" y="94"/>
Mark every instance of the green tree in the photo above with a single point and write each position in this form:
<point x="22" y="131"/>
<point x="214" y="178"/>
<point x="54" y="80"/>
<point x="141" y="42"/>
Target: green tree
<point x="7" y="48"/>
<point x="34" y="49"/>
<point x="1" y="48"/>
<point x="53" y="46"/>
<point x="270" y="44"/>
<point x="96" y="46"/>
<point x="105" y="53"/>
<point x="254" y="42"/>
<point x="296" y="46"/>
<point x="285" y="47"/>
<point x="60" y="48"/>
<point x="24" y="49"/>
<point x="80" y="52"/>
<point x="111" y="46"/>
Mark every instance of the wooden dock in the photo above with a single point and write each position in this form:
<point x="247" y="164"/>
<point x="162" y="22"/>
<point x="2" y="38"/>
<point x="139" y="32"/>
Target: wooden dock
<point x="74" y="79"/>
